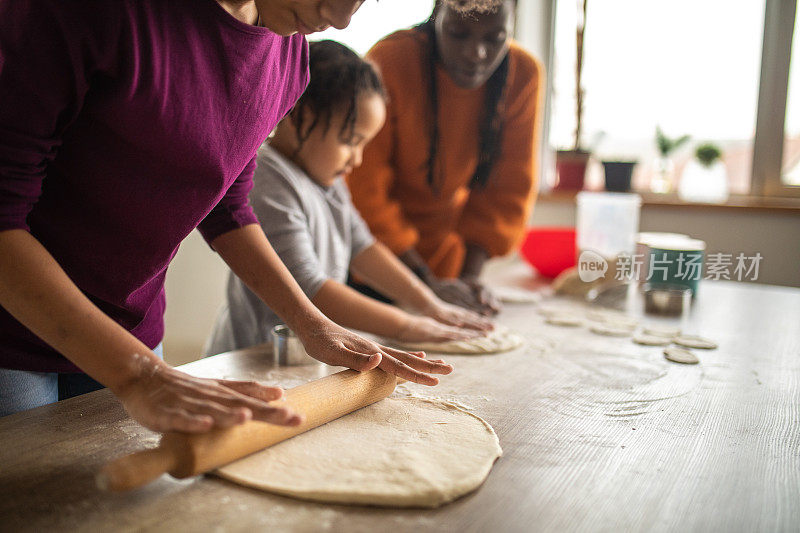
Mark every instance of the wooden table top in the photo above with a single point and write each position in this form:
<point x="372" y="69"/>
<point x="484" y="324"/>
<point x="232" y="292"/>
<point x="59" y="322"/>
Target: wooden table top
<point x="598" y="434"/>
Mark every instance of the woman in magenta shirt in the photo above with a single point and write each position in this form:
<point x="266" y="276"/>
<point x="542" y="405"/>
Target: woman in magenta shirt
<point x="123" y="126"/>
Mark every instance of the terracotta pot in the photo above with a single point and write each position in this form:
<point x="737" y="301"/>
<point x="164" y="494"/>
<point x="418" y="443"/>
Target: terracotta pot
<point x="571" y="169"/>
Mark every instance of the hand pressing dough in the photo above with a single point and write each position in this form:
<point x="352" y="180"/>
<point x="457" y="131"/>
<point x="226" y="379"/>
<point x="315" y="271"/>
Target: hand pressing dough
<point x="399" y="452"/>
<point x="498" y="340"/>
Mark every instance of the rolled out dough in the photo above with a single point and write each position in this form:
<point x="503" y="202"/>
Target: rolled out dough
<point x="399" y="452"/>
<point x="498" y="340"/>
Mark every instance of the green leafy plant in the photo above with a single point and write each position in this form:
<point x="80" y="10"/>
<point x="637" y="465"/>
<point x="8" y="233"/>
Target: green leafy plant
<point x="668" y="145"/>
<point x="707" y="154"/>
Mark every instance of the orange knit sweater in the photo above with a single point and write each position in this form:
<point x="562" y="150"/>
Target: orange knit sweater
<point x="390" y="188"/>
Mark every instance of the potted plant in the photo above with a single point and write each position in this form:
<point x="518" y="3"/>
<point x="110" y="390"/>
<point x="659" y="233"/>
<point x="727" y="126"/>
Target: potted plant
<point x="665" y="167"/>
<point x="571" y="164"/>
<point x="618" y="173"/>
<point x="705" y="179"/>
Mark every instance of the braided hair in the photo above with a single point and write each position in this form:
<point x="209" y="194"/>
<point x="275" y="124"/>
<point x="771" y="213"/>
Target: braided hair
<point x="339" y="77"/>
<point x="491" y="126"/>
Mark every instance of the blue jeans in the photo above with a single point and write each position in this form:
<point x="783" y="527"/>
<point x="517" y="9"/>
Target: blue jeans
<point x="22" y="389"/>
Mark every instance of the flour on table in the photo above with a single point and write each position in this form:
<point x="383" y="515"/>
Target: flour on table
<point x="399" y="452"/>
<point x="498" y="340"/>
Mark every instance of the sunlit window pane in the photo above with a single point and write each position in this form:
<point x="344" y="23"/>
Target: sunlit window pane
<point x="689" y="66"/>
<point x="375" y="20"/>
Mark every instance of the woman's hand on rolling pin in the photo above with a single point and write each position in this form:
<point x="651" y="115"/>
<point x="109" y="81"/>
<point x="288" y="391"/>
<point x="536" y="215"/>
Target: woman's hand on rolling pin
<point x="453" y="315"/>
<point x="164" y="399"/>
<point x="425" y="329"/>
<point x="334" y="345"/>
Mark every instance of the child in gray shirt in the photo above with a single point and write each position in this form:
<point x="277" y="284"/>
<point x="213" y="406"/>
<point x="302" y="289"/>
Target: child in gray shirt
<point x="304" y="207"/>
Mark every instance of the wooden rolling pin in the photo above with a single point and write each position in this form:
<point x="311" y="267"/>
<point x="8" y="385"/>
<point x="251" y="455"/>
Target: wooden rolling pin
<point x="184" y="455"/>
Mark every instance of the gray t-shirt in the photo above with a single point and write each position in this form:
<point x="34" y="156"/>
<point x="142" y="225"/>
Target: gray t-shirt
<point x="315" y="230"/>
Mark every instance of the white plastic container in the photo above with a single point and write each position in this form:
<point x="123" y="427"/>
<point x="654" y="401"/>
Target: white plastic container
<point x="608" y="223"/>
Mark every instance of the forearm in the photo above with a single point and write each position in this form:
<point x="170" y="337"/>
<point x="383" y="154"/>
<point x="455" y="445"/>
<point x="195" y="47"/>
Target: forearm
<point x="249" y="254"/>
<point x="40" y="295"/>
<point x="349" y="308"/>
<point x="384" y="272"/>
<point x="251" y="257"/>
<point x="417" y="265"/>
<point x="474" y="260"/>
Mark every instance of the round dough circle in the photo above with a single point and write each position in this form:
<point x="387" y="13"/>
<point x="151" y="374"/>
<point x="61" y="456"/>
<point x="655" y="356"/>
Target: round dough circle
<point x="498" y="340"/>
<point x="662" y="331"/>
<point x="611" y="330"/>
<point x="565" y="321"/>
<point x="615" y="318"/>
<point x="680" y="355"/>
<point x="647" y="339"/>
<point x="399" y="452"/>
<point x="693" y="341"/>
<point x="514" y="295"/>
<point x="549" y="309"/>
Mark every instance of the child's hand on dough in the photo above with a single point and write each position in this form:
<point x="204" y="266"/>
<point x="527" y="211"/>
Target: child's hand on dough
<point x="424" y="329"/>
<point x="334" y="345"/>
<point x="453" y="315"/>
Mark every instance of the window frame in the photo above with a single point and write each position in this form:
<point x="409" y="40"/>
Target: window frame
<point x="536" y="25"/>
<point x="768" y="143"/>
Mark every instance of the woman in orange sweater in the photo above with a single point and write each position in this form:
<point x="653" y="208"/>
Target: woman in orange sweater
<point x="450" y="179"/>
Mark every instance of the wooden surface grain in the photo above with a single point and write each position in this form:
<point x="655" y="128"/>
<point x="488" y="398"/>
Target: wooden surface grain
<point x="598" y="433"/>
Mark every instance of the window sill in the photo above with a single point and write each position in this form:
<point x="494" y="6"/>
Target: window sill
<point x="738" y="202"/>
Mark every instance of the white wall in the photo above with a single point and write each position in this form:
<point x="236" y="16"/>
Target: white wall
<point x="195" y="290"/>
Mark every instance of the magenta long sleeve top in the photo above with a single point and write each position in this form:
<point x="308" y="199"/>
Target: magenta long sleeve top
<point x="124" y="125"/>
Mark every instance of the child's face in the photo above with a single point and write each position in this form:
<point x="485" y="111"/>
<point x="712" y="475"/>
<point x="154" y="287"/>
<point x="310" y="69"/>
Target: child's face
<point x="286" y="17"/>
<point x="328" y="156"/>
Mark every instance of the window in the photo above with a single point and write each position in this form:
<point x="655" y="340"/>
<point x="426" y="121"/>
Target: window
<point x="691" y="67"/>
<point x="374" y="20"/>
<point x="790" y="175"/>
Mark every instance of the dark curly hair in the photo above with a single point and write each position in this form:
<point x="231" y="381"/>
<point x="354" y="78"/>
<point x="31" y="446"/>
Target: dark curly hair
<point x="491" y="125"/>
<point x="339" y="77"/>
